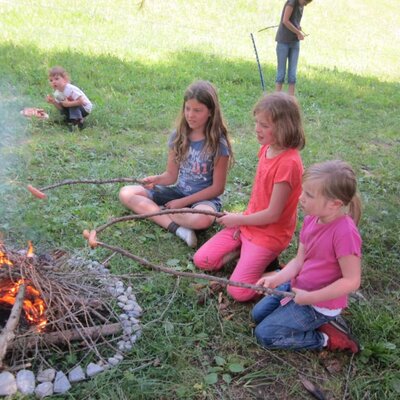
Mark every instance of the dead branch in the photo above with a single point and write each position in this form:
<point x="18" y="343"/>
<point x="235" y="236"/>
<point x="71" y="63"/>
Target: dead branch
<point x="7" y="335"/>
<point x="67" y="336"/>
<point x="161" y="212"/>
<point x="194" y="275"/>
<point x="39" y="192"/>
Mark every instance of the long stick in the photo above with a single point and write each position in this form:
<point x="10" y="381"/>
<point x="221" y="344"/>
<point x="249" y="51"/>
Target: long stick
<point x="8" y="334"/>
<point x="258" y="63"/>
<point x="39" y="192"/>
<point x="223" y="281"/>
<point x="268" y="27"/>
<point x="154" y="214"/>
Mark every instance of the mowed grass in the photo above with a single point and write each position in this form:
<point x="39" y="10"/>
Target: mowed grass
<point x="134" y="63"/>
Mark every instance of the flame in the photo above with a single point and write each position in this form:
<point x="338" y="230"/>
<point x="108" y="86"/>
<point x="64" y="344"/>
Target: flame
<point x="3" y="257"/>
<point x="33" y="305"/>
<point x="30" y="252"/>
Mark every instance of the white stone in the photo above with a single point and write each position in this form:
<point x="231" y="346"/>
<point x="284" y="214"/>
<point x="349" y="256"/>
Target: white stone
<point x="118" y="356"/>
<point x="77" y="374"/>
<point x="123" y="317"/>
<point x="119" y="284"/>
<point x="26" y="381"/>
<point x="46" y="375"/>
<point x="121" y="305"/>
<point x="128" y="307"/>
<point x="113" y="361"/>
<point x="128" y="290"/>
<point x="44" y="389"/>
<point x="93" y="369"/>
<point x="8" y="384"/>
<point x="122" y="299"/>
<point x="61" y="383"/>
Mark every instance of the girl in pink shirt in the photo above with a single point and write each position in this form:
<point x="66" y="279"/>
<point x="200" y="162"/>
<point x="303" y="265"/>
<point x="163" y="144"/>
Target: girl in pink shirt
<point x="326" y="269"/>
<point x="265" y="229"/>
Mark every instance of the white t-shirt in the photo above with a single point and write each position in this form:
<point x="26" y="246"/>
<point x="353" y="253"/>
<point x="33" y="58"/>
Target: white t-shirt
<point x="73" y="93"/>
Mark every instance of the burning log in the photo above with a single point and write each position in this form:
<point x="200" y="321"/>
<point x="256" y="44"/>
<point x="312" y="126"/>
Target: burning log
<point x="40" y="195"/>
<point x="8" y="334"/>
<point x="67" y="336"/>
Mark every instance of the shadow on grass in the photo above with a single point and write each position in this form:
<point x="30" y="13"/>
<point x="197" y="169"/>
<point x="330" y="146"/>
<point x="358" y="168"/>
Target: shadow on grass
<point x="346" y="116"/>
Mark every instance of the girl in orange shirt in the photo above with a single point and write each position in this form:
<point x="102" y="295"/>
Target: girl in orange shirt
<point x="265" y="229"/>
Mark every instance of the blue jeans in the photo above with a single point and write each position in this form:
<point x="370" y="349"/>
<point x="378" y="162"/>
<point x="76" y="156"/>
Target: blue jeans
<point x="287" y="51"/>
<point x="74" y="113"/>
<point x="163" y="194"/>
<point x="291" y="326"/>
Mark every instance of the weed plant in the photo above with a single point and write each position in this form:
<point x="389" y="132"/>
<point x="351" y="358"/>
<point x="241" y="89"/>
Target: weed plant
<point x="134" y="64"/>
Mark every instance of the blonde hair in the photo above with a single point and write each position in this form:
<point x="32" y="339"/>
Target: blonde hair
<point x="59" y="71"/>
<point x="337" y="181"/>
<point x="204" y="92"/>
<point x="284" y="112"/>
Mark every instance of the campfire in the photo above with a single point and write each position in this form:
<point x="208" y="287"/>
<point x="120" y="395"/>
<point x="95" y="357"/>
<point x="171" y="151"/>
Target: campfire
<point x="48" y="307"/>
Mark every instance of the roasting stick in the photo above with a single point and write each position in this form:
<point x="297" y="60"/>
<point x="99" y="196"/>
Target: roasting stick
<point x="40" y="195"/>
<point x="154" y="214"/>
<point x="91" y="238"/>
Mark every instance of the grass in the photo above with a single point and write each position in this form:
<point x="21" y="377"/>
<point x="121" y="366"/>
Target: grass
<point x="134" y="65"/>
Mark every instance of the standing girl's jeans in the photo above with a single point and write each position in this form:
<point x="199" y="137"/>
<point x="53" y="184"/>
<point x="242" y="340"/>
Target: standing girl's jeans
<point x="287" y="51"/>
<point x="291" y="326"/>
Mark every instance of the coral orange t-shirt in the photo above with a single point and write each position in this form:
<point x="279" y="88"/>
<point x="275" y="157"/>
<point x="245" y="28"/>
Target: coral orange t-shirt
<point x="285" y="167"/>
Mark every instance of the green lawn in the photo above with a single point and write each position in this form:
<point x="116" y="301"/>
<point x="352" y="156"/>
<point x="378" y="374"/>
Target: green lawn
<point x="134" y="64"/>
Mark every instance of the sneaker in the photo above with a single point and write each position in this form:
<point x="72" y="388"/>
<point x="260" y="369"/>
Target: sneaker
<point x="338" y="339"/>
<point x="187" y="235"/>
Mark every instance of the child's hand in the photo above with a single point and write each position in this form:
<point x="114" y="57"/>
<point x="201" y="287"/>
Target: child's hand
<point x="229" y="220"/>
<point x="150" y="181"/>
<point x="66" y="103"/>
<point x="177" y="203"/>
<point x="303" y="297"/>
<point x="267" y="282"/>
<point x="50" y="99"/>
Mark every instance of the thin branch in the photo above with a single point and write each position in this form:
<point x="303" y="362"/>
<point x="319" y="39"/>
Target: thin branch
<point x="39" y="193"/>
<point x="223" y="281"/>
<point x="154" y="214"/>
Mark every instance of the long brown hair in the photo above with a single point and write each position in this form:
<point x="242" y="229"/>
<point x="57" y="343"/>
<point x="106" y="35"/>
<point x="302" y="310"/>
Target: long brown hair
<point x="204" y="92"/>
<point x="284" y="112"/>
<point x="337" y="181"/>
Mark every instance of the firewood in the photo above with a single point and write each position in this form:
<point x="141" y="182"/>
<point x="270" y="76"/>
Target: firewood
<point x="8" y="334"/>
<point x="67" y="336"/>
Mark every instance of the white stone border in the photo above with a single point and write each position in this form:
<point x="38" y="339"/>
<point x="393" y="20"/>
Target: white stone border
<point x="50" y="381"/>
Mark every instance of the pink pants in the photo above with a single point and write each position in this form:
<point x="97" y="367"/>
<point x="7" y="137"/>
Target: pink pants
<point x="252" y="263"/>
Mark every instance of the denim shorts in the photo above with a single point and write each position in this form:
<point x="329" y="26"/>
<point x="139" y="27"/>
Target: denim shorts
<point x="163" y="194"/>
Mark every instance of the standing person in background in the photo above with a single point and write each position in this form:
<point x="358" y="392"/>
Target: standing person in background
<point x="199" y="156"/>
<point x="288" y="43"/>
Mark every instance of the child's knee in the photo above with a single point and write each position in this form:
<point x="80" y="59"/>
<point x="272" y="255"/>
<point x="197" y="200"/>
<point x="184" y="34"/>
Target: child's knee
<point x="203" y="260"/>
<point x="241" y="294"/>
<point x="263" y="336"/>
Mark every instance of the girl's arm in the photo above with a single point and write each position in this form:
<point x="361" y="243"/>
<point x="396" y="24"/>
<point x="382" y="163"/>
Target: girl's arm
<point x="291" y="270"/>
<point x="349" y="282"/>
<point x="286" y="21"/>
<point x="168" y="177"/>
<point x="280" y="194"/>
<point x="50" y="99"/>
<point x="220" y="173"/>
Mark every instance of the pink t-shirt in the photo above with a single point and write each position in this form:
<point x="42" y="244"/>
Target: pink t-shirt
<point x="324" y="244"/>
<point x="285" y="167"/>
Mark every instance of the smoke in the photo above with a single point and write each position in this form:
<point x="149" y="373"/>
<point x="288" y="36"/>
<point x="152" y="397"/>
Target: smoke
<point x="13" y="133"/>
